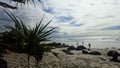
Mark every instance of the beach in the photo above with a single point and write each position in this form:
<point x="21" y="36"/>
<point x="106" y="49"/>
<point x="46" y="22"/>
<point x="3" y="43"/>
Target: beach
<point x="62" y="60"/>
<point x="59" y="34"/>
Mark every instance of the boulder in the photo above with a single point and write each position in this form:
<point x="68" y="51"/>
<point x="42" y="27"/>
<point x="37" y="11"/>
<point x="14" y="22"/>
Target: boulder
<point x="114" y="54"/>
<point x="84" y="51"/>
<point x="95" y="53"/>
<point x="80" y="48"/>
<point x="71" y="48"/>
<point x="68" y="52"/>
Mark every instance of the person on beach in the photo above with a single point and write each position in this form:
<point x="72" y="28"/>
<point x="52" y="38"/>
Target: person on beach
<point x="89" y="46"/>
<point x="77" y="43"/>
<point x="82" y="43"/>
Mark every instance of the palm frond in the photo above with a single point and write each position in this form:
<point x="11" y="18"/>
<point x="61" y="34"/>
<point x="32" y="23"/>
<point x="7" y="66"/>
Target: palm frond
<point x="21" y="38"/>
<point x="15" y="20"/>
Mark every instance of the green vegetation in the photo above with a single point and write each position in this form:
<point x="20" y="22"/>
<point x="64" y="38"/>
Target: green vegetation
<point x="21" y="38"/>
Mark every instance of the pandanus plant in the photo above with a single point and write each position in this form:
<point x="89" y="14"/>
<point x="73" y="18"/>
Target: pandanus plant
<point x="22" y="38"/>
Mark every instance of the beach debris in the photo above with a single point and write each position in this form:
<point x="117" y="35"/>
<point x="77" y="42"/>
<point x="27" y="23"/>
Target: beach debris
<point x="114" y="55"/>
<point x="80" y="48"/>
<point x="95" y="53"/>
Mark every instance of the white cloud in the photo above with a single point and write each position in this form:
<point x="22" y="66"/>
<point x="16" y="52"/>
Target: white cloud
<point x="93" y="14"/>
<point x="30" y="14"/>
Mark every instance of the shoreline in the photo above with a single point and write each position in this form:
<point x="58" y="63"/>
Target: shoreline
<point x="94" y="44"/>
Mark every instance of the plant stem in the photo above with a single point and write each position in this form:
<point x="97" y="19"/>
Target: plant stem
<point x="28" y="61"/>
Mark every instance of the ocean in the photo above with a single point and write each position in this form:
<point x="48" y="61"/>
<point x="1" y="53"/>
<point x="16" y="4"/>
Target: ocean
<point x="95" y="41"/>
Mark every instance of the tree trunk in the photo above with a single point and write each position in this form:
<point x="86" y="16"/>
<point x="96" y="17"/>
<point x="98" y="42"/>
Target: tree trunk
<point x="28" y="61"/>
<point x="36" y="63"/>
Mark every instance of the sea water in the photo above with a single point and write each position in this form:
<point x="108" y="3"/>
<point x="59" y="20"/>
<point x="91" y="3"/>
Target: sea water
<point x="94" y="41"/>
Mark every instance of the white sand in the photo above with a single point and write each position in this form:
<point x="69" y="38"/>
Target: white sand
<point x="78" y="60"/>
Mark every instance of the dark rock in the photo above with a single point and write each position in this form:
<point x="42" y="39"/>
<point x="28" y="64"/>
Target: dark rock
<point x="67" y="52"/>
<point x="95" y="53"/>
<point x="71" y="48"/>
<point x="114" y="54"/>
<point x="80" y="48"/>
<point x="55" y="44"/>
<point x="88" y="49"/>
<point x="58" y="45"/>
<point x="84" y="52"/>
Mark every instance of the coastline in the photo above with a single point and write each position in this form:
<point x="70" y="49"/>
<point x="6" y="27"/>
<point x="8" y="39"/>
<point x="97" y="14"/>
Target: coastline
<point x="94" y="43"/>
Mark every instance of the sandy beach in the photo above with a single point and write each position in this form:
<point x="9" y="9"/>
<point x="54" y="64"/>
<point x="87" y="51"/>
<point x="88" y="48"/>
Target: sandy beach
<point x="59" y="33"/>
<point x="77" y="60"/>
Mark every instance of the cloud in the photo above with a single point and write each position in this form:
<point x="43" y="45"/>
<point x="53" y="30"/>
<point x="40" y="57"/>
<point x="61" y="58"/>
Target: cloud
<point x="112" y="28"/>
<point x="30" y="14"/>
<point x="64" y="18"/>
<point x="75" y="17"/>
<point x="48" y="10"/>
<point x="84" y="17"/>
<point x="75" y="24"/>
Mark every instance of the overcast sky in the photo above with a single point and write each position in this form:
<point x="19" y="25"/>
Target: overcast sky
<point x="73" y="18"/>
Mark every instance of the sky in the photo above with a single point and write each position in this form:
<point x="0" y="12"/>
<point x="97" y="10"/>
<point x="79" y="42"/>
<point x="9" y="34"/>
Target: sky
<point x="73" y="18"/>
